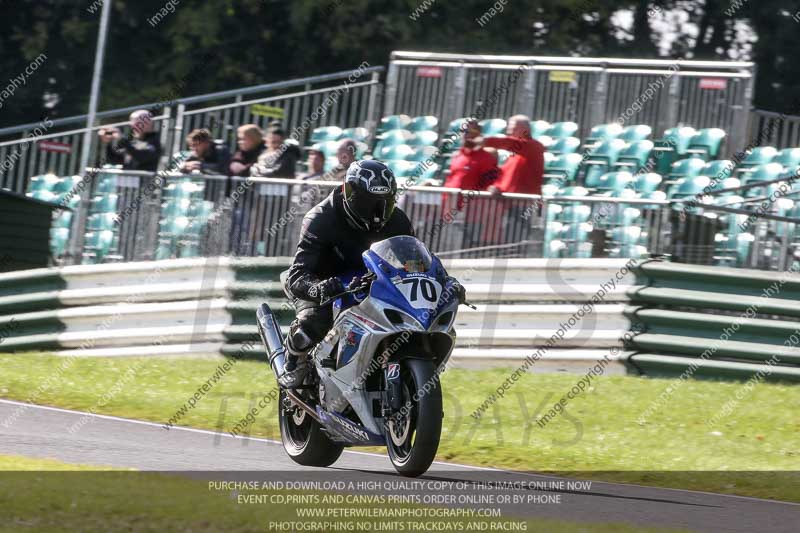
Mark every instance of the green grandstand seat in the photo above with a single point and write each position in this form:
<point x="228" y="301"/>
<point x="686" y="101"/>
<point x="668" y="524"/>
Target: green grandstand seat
<point x="394" y="122"/>
<point x="658" y="196"/>
<point x="101" y="222"/>
<point x="768" y="172"/>
<point x="614" y="181"/>
<point x="630" y="251"/>
<point x="575" y="213"/>
<point x="760" y="155"/>
<point x="672" y="146"/>
<point x="430" y="173"/>
<point x="424" y="138"/>
<point x="44" y="195"/>
<point x="564" y="145"/>
<point x="326" y="133"/>
<point x="686" y="168"/>
<point x="493" y="126"/>
<point x="393" y="137"/>
<point x="176" y="208"/>
<point x="788" y="157"/>
<point x="721" y="185"/>
<point x="564" y="166"/>
<point x="554" y="248"/>
<point x="607" y="152"/>
<point x="104" y="204"/>
<point x="578" y="232"/>
<point x="63" y="220"/>
<point x="572" y="191"/>
<point x="634" y="156"/>
<point x="719" y="169"/>
<point x="421" y="153"/>
<point x="46" y="182"/>
<point x="402" y="168"/>
<point x="59" y="240"/>
<point x="456" y="126"/>
<point x="706" y="143"/>
<point x="502" y="156"/>
<point x="200" y="210"/>
<point x="638" y="132"/>
<point x="601" y="159"/>
<point x="173" y="226"/>
<point x="396" y="152"/>
<point x="621" y="193"/>
<point x="689" y="186"/>
<point x="539" y="128"/>
<point x="602" y="133"/>
<point x="357" y="134"/>
<point x="629" y="235"/>
<point x="328" y="148"/>
<point x="98" y="243"/>
<point x="625" y="217"/>
<point x="66" y="184"/>
<point x="423" y="123"/>
<point x="552" y="229"/>
<point x="561" y="130"/>
<point x="647" y="183"/>
<point x="578" y="250"/>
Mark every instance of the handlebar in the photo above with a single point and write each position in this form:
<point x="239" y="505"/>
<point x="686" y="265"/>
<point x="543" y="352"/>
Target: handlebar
<point x="357" y="285"/>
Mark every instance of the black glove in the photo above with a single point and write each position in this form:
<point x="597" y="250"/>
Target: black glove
<point x="323" y="290"/>
<point x="461" y="292"/>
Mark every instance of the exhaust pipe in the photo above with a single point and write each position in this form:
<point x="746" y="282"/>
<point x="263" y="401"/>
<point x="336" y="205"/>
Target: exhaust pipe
<point x="272" y="338"/>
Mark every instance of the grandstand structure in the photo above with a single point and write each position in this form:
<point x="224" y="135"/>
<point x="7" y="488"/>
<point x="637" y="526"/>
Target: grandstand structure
<point x="644" y="157"/>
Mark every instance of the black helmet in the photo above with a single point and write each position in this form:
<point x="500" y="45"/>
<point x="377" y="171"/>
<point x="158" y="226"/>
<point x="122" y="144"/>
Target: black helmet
<point x="369" y="194"/>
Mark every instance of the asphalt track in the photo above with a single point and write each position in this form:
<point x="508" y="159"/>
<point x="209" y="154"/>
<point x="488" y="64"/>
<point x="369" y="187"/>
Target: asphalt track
<point x="42" y="432"/>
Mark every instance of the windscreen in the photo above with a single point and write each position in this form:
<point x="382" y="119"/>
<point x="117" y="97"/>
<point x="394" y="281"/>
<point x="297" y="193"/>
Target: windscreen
<point x="404" y="252"/>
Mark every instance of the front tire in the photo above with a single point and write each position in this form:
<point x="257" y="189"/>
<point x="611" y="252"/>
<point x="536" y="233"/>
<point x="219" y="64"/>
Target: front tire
<point x="303" y="438"/>
<point x="413" y="439"/>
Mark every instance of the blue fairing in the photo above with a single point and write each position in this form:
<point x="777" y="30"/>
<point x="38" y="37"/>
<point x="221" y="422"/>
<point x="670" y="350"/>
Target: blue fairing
<point x="385" y="289"/>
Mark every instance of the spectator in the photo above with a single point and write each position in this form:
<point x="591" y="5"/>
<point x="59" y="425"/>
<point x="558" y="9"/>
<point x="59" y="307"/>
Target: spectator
<point x="345" y="154"/>
<point x="207" y="156"/>
<point x="316" y="165"/>
<point x="524" y="169"/>
<point x="251" y="145"/>
<point x="140" y="150"/>
<point x="473" y="168"/>
<point x="280" y="157"/>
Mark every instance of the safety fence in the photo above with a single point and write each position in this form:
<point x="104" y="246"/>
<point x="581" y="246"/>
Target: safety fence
<point x="132" y="216"/>
<point x="695" y="321"/>
<point x="208" y="305"/>
<point x="346" y="99"/>
<point x="588" y="91"/>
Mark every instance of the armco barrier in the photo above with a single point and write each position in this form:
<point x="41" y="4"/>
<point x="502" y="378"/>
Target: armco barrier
<point x="202" y="306"/>
<point x="715" y="322"/>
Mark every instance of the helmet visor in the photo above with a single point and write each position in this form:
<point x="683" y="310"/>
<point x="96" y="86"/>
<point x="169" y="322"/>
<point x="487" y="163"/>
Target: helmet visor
<point x="373" y="210"/>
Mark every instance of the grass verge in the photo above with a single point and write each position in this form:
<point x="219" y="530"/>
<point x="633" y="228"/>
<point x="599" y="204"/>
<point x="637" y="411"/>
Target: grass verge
<point x="750" y="451"/>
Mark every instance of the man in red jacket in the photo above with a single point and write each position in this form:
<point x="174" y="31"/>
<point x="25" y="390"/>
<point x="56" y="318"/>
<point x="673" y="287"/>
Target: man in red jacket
<point x="523" y="171"/>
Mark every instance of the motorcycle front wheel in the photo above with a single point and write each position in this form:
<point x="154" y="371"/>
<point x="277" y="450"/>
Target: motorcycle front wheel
<point x="303" y="438"/>
<point x="413" y="433"/>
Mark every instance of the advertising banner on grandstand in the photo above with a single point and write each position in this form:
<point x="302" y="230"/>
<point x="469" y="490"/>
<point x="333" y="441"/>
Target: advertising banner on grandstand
<point x="714" y="84"/>
<point x="429" y="72"/>
<point x="266" y="111"/>
<point x="52" y="146"/>
<point x="563" y="76"/>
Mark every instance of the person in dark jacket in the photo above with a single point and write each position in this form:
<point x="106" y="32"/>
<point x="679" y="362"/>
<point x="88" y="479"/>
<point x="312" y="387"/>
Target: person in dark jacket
<point x="279" y="159"/>
<point x="334" y="234"/>
<point x="140" y="150"/>
<point x="207" y="156"/>
<point x="251" y="145"/>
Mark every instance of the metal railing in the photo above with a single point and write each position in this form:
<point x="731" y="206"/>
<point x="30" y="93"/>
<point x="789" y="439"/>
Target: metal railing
<point x="588" y="91"/>
<point x="293" y="102"/>
<point x="768" y="128"/>
<point x="172" y="215"/>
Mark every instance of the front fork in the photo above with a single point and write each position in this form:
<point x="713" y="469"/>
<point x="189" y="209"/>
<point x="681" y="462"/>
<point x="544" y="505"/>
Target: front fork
<point x="394" y="388"/>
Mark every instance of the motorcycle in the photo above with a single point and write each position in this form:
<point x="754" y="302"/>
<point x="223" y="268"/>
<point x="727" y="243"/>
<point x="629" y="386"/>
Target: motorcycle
<point x="375" y="375"/>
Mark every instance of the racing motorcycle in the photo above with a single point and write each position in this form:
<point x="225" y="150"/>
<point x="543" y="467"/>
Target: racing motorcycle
<point x="375" y="375"/>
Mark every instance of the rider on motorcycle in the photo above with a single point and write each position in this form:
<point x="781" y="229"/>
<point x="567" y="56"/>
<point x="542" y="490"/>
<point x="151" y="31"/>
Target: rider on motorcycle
<point x="334" y="235"/>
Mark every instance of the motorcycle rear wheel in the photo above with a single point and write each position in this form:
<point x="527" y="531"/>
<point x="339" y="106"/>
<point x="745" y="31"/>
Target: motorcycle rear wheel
<point x="303" y="438"/>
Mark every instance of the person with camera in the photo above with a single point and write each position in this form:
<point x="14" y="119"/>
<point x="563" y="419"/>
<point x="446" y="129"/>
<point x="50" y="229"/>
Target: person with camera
<point x="140" y="150"/>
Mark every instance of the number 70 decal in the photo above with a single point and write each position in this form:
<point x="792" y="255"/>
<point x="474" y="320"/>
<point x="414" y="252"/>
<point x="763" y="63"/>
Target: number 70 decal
<point x="420" y="292"/>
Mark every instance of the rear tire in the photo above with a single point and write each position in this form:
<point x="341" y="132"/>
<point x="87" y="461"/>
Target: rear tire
<point x="303" y="438"/>
<point x="413" y="441"/>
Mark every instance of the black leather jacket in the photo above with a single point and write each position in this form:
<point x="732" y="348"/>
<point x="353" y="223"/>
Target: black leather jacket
<point x="330" y="246"/>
